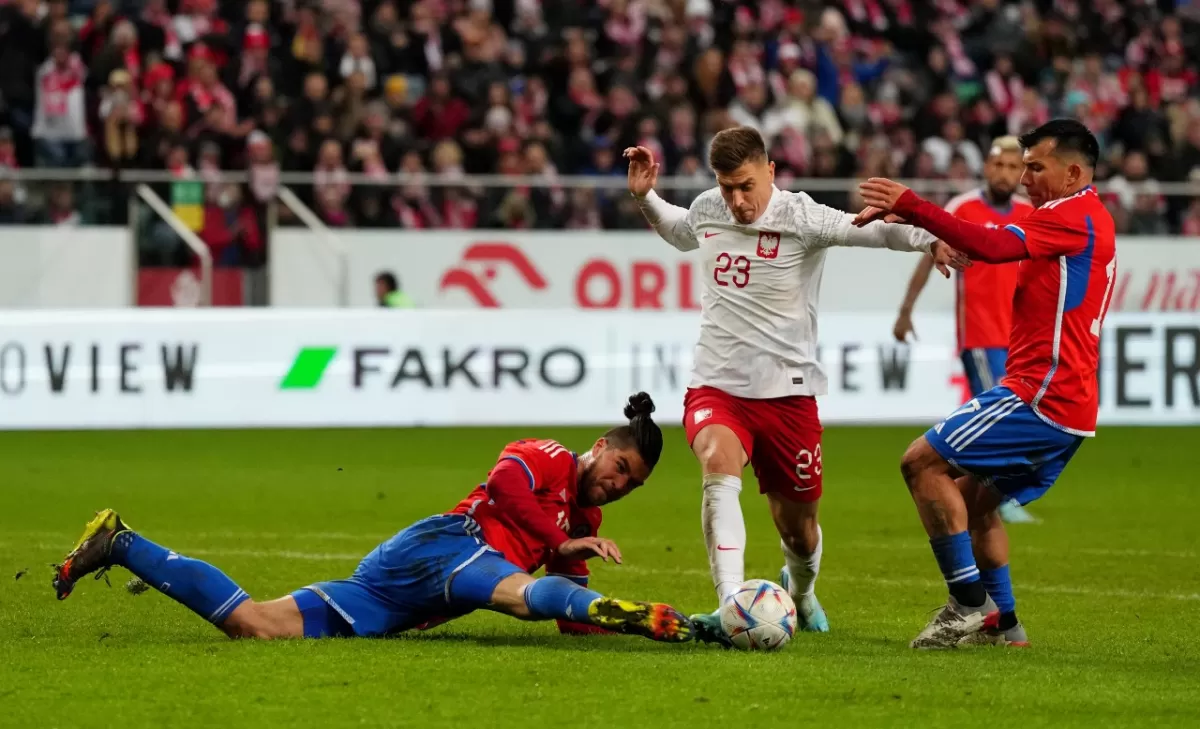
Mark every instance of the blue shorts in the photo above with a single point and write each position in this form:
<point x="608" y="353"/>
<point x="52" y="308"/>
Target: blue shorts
<point x="985" y="368"/>
<point x="436" y="568"/>
<point x="997" y="438"/>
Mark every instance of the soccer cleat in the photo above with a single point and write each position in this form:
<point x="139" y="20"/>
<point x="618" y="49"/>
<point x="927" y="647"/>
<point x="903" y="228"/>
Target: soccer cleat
<point x="812" y="615"/>
<point x="91" y="552"/>
<point x="1013" y="513"/>
<point x="708" y="629"/>
<point x="653" y="620"/>
<point x="953" y="623"/>
<point x="991" y="634"/>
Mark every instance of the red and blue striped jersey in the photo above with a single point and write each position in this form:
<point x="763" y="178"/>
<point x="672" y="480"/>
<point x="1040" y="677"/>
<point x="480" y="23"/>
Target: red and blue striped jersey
<point x="1063" y="292"/>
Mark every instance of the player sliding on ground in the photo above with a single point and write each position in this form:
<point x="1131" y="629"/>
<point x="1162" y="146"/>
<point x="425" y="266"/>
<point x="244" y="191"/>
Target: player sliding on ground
<point x="540" y="506"/>
<point x="1014" y="440"/>
<point x="984" y="292"/>
<point x="756" y="376"/>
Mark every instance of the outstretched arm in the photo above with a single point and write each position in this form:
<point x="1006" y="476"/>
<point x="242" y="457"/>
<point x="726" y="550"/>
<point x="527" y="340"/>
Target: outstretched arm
<point x="843" y="229"/>
<point x="669" y="221"/>
<point x="981" y="243"/>
<point x="879" y="235"/>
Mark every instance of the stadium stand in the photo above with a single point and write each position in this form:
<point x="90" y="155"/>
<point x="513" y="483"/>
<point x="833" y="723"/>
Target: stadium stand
<point x="347" y="90"/>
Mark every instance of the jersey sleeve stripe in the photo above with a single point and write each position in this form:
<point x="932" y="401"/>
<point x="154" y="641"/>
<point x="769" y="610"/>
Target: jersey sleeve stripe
<point x="1015" y="230"/>
<point x="1079" y="270"/>
<point x="529" y="473"/>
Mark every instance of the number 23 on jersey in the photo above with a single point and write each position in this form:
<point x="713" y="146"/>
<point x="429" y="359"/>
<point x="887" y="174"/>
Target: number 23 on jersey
<point x="731" y="269"/>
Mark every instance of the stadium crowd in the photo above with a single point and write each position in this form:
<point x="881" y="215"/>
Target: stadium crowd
<point x="901" y="88"/>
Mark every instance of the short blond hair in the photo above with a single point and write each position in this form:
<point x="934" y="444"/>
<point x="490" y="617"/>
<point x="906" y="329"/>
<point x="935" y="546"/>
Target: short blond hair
<point x="1000" y="145"/>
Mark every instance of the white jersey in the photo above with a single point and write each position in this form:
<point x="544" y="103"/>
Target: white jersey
<point x="758" y="326"/>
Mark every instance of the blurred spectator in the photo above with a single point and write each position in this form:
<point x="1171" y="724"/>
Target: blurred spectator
<point x="60" y="208"/>
<point x="1141" y="205"/>
<point x="12" y="209"/>
<point x="440" y="114"/>
<point x="60" y="118"/>
<point x="122" y="115"/>
<point x="331" y="185"/>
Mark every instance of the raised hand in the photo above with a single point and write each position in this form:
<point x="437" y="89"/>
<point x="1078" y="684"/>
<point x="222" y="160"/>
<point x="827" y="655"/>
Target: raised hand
<point x="870" y="214"/>
<point x="881" y="193"/>
<point x="643" y="170"/>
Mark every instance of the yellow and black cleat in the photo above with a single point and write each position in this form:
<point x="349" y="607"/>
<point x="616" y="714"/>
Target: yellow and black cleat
<point x="653" y="620"/>
<point x="90" y="554"/>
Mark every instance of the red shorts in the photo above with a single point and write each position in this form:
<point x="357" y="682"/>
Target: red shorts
<point x="781" y="436"/>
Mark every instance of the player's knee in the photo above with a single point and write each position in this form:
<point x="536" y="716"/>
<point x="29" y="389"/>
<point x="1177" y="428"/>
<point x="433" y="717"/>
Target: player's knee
<point x="720" y="452"/>
<point x="253" y="620"/>
<point x="919" y="457"/>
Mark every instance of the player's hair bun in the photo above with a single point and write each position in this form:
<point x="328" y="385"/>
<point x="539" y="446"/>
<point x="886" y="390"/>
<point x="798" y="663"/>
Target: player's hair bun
<point x="639" y="404"/>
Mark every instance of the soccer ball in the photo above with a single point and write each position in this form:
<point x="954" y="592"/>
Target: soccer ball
<point x="760" y="616"/>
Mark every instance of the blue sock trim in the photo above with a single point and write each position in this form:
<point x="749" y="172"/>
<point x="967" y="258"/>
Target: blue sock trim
<point x="955" y="558"/>
<point x="559" y="598"/>
<point x="998" y="584"/>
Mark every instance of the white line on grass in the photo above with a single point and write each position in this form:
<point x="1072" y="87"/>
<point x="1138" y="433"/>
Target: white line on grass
<point x="658" y="571"/>
<point x="880" y="545"/>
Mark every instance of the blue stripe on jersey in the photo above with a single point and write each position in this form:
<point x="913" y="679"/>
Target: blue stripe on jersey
<point x="527" y="471"/>
<point x="1016" y="231"/>
<point x="1079" y="271"/>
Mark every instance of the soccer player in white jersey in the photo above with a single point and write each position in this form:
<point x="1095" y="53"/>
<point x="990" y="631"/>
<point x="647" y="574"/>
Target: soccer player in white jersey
<point x="755" y="378"/>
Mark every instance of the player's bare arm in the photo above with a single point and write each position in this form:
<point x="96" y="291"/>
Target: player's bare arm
<point x="669" y="221"/>
<point x="920" y="276"/>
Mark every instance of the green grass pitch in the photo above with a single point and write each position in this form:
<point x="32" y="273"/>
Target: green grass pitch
<point x="1108" y="586"/>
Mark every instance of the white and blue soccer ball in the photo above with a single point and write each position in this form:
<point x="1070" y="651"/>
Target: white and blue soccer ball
<point x="760" y="616"/>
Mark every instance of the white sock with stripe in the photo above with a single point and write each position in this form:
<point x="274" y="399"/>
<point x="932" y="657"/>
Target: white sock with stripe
<point x="724" y="532"/>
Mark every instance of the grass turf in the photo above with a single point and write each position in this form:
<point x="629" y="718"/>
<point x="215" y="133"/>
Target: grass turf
<point x="1107" y="586"/>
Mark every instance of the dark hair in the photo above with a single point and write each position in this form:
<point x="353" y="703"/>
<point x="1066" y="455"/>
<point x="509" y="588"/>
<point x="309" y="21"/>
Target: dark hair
<point x="1069" y="135"/>
<point x="642" y="433"/>
<point x="732" y="148"/>
<point x="387" y="278"/>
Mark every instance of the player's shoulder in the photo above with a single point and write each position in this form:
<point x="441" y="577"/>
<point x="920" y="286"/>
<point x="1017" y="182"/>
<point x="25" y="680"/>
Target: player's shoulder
<point x="544" y="457"/>
<point x="709" y="207"/>
<point x="964" y="201"/>
<point x="541" y="447"/>
<point x="1077" y="213"/>
<point x="797" y="212"/>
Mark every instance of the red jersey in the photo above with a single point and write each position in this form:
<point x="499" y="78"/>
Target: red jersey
<point x="985" y="290"/>
<point x="552" y="471"/>
<point x="1063" y="292"/>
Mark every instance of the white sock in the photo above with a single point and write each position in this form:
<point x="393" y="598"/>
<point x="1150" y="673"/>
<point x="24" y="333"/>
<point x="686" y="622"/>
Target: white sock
<point x="724" y="532"/>
<point x="803" y="571"/>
